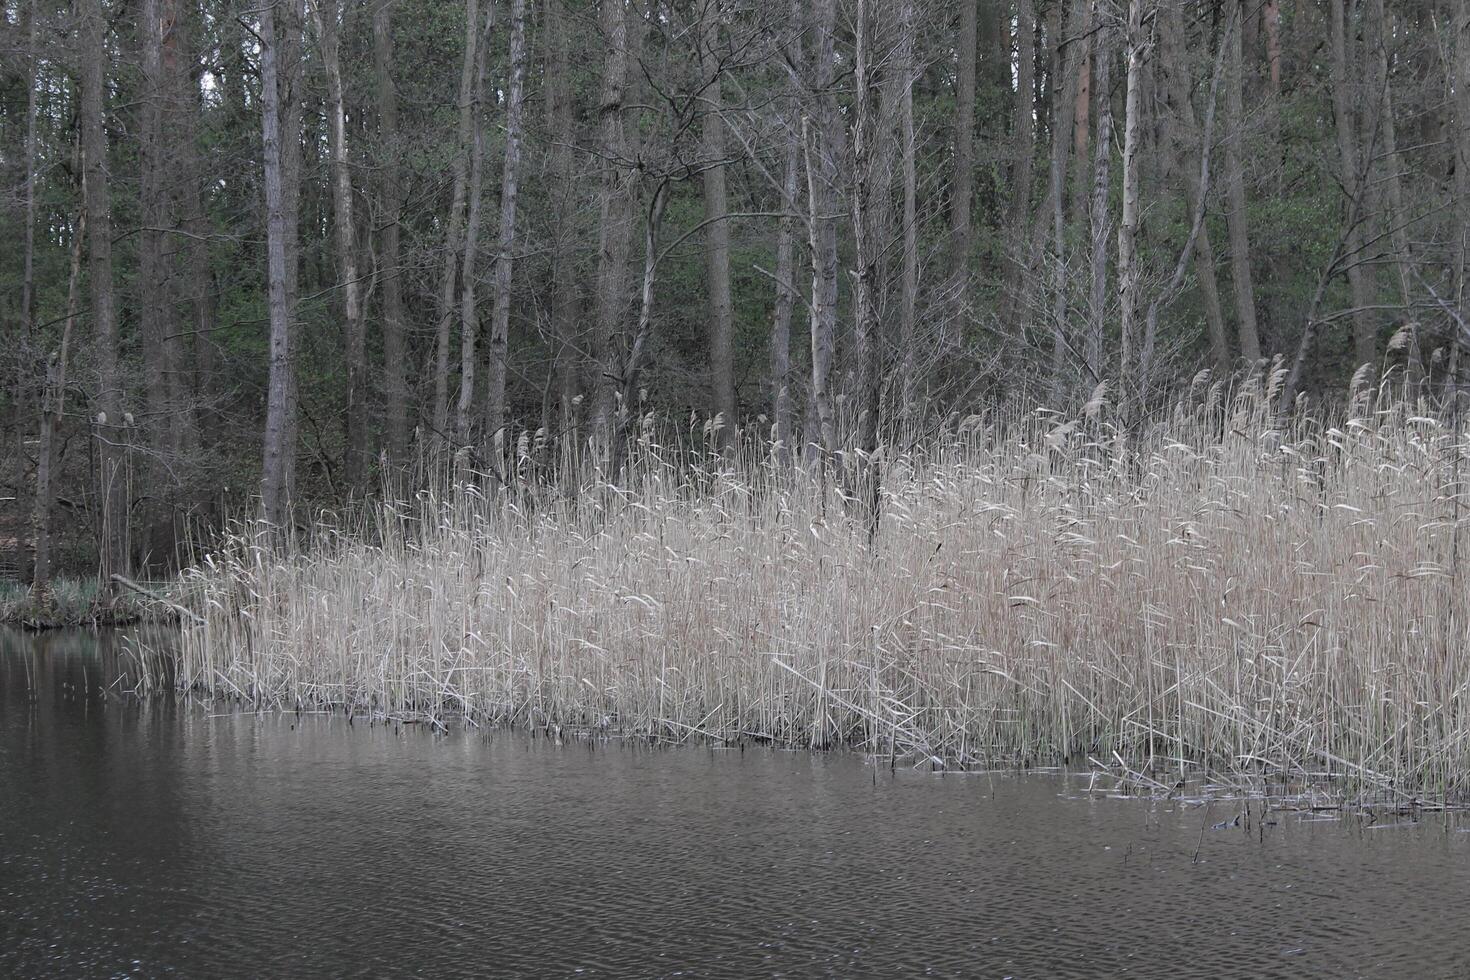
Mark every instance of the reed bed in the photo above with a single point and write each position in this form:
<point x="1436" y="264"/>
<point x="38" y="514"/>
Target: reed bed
<point x="1209" y="591"/>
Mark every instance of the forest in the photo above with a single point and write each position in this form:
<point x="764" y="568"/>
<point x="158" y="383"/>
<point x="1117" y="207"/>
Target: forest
<point x="284" y="257"/>
<point x="734" y="487"/>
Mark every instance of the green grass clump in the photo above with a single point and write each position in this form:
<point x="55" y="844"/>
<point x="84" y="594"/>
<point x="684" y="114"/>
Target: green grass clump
<point x="68" y="602"/>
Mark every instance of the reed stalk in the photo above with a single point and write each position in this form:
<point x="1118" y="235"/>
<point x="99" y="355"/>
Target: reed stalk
<point x="1210" y="590"/>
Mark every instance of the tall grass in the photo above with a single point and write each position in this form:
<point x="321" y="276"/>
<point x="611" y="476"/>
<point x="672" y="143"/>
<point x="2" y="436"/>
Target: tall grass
<point x="1212" y="591"/>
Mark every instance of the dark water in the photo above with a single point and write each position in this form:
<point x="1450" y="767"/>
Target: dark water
<point x="149" y="838"/>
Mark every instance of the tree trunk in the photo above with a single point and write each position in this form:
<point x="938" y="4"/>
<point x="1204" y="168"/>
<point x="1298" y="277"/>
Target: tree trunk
<point x="1023" y="149"/>
<point x="1461" y="12"/>
<point x="1236" y="219"/>
<point x="631" y="368"/>
<point x="51" y="413"/>
<point x="1183" y="136"/>
<point x="191" y="400"/>
<point x="1396" y="216"/>
<point x="821" y="170"/>
<point x="1271" y="24"/>
<point x="866" y="224"/>
<point x="717" y="234"/>
<point x="454" y="223"/>
<point x="1084" y="36"/>
<point x="1271" y="19"/>
<point x="280" y="429"/>
<point x="1097" y="308"/>
<point x="565" y="295"/>
<point x="781" y="408"/>
<point x="961" y="200"/>
<point x="1199" y="181"/>
<point x="495" y="414"/>
<point x="395" y="348"/>
<point x="326" y="15"/>
<point x="28" y="259"/>
<point x="1064" y="107"/>
<point x="158" y="158"/>
<point x="908" y="300"/>
<point x="469" y="311"/>
<point x="110" y="430"/>
<point x="615" y="197"/>
<point x="1129" y="386"/>
<point x="1354" y="184"/>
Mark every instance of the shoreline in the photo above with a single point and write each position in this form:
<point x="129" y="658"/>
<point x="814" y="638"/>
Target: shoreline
<point x="79" y="604"/>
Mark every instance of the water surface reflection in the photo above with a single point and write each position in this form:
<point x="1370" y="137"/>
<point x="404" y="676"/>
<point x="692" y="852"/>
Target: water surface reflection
<point x="146" y="838"/>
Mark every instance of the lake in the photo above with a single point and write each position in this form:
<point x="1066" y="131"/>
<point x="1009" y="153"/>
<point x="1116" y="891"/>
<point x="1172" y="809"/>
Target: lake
<point x="162" y="836"/>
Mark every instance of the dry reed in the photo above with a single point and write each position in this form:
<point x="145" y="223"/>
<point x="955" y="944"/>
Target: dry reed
<point x="1213" y="592"/>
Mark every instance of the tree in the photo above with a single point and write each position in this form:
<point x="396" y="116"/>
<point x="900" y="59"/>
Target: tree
<point x="454" y="223"/>
<point x="111" y="424"/>
<point x="964" y="148"/>
<point x="469" y="310"/>
<point x="157" y="21"/>
<point x="566" y="297"/>
<point x="505" y="244"/>
<point x="1129" y="273"/>
<point x="819" y="136"/>
<point x="1183" y="138"/>
<point x="390" y="194"/>
<point x="615" y="209"/>
<point x="280" y="197"/>
<point x="717" y="233"/>
<point x="1236" y="218"/>
<point x="52" y="410"/>
<point x="1097" y="307"/>
<point x="325" y="14"/>
<point x="1023" y="139"/>
<point x="1460" y="247"/>
<point x="1354" y="183"/>
<point x="783" y="431"/>
<point x="908" y="302"/>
